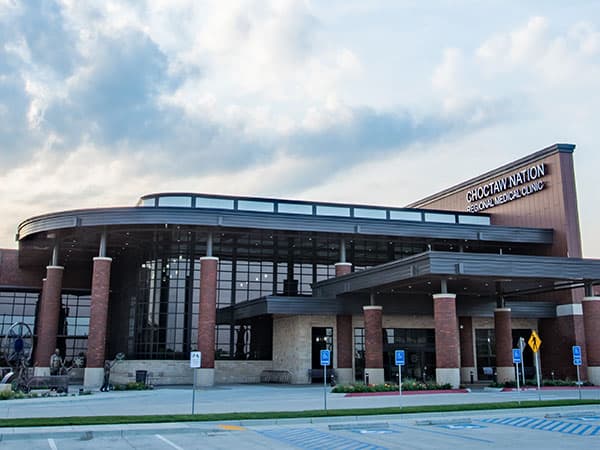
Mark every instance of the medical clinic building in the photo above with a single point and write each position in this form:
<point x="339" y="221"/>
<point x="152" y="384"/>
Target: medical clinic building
<point x="259" y="286"/>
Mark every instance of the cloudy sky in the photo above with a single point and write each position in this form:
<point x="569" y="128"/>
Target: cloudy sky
<point x="380" y="102"/>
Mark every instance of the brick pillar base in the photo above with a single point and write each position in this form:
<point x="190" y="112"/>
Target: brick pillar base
<point x="591" y="319"/>
<point x="96" y="353"/>
<point x="207" y="319"/>
<point x="48" y="319"/>
<point x="373" y="344"/>
<point x="503" y="331"/>
<point x="447" y="344"/>
<point x="467" y="353"/>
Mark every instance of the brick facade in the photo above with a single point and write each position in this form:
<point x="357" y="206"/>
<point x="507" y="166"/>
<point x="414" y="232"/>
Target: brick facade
<point x="591" y="317"/>
<point x="503" y="332"/>
<point x="48" y="316"/>
<point x="99" y="312"/>
<point x="207" y="310"/>
<point x="344" y="341"/>
<point x="446" y="331"/>
<point x="373" y="337"/>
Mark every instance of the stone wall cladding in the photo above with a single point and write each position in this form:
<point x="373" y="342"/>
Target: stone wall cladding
<point x="207" y="311"/>
<point x="373" y="337"/>
<point x="447" y="348"/>
<point x="48" y="316"/>
<point x="292" y="344"/>
<point x="163" y="373"/>
<point x="98" y="312"/>
<point x="503" y="333"/>
<point x="233" y="372"/>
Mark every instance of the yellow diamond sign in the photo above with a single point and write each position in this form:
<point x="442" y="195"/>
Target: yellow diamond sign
<point x="534" y="341"/>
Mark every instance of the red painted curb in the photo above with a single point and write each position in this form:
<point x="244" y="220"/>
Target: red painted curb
<point x="432" y="391"/>
<point x="549" y="388"/>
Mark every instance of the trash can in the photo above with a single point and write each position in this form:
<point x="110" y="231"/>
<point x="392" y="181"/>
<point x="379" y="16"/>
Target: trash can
<point x="140" y="376"/>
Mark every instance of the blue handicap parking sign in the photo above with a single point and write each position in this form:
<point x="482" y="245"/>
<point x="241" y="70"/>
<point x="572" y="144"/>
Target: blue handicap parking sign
<point x="516" y="355"/>
<point x="400" y="361"/>
<point x="325" y="357"/>
<point x="577" y="355"/>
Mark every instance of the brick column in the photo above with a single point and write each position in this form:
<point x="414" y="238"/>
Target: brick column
<point x="467" y="350"/>
<point x="447" y="350"/>
<point x="345" y="350"/>
<point x="503" y="332"/>
<point x="591" y="319"/>
<point x="342" y="268"/>
<point x="558" y="335"/>
<point x="373" y="344"/>
<point x="96" y="353"/>
<point x="207" y="319"/>
<point x="49" y="313"/>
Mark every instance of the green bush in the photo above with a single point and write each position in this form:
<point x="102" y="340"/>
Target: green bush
<point x="407" y="385"/>
<point x="565" y="382"/>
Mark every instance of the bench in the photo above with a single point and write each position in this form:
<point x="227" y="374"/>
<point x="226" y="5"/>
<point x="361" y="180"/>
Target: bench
<point x="318" y="373"/>
<point x="275" y="376"/>
<point x="59" y="383"/>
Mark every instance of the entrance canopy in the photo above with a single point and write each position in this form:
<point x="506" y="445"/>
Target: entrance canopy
<point x="467" y="273"/>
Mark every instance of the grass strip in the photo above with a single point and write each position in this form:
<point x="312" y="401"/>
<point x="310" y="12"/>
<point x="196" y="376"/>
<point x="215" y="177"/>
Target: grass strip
<point x="166" y="418"/>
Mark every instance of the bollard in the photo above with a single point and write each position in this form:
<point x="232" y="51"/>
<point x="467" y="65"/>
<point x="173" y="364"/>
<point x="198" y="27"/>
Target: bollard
<point x="367" y="378"/>
<point x="472" y="377"/>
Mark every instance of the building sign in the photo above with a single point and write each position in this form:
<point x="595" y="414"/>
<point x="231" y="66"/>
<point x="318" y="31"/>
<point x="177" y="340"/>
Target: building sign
<point x="506" y="189"/>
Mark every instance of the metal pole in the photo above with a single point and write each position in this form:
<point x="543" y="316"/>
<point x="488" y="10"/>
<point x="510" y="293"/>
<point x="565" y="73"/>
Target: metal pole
<point x="325" y="387"/>
<point x="578" y="383"/>
<point x="522" y="347"/>
<point x="518" y="388"/>
<point x="400" y="384"/>
<point x="537" y="374"/>
<point x="193" y="391"/>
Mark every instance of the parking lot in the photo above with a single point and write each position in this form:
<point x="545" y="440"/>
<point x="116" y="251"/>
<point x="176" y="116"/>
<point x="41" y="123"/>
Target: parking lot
<point x="549" y="427"/>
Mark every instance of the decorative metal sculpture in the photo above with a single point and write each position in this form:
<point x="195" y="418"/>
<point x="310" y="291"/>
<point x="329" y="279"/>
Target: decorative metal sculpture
<point x="17" y="347"/>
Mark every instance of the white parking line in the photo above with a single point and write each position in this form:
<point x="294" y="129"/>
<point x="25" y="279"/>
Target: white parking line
<point x="165" y="440"/>
<point x="52" y="444"/>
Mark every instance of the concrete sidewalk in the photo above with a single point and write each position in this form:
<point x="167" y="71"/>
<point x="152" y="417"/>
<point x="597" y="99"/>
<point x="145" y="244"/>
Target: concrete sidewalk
<point x="247" y="398"/>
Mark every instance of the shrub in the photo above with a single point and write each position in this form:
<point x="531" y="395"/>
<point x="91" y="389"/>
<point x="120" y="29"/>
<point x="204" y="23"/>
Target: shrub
<point x="407" y="385"/>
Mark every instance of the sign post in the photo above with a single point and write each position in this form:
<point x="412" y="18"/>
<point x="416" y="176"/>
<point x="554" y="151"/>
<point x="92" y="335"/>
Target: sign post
<point x="400" y="361"/>
<point x="577" y="363"/>
<point x="325" y="361"/>
<point x="522" y="346"/>
<point x="195" y="363"/>
<point x="516" y="360"/>
<point x="535" y="342"/>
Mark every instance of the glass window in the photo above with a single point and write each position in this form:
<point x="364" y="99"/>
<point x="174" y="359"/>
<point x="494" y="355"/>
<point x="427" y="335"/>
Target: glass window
<point x="252" y="205"/>
<point x="176" y="200"/>
<point x="474" y="220"/>
<point x="339" y="211"/>
<point x="440" y="217"/>
<point x="414" y="216"/>
<point x="148" y="202"/>
<point x="214" y="203"/>
<point x="369" y="213"/>
<point x="294" y="208"/>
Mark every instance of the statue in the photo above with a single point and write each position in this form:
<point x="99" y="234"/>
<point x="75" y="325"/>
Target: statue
<point x="107" y="366"/>
<point x="56" y="363"/>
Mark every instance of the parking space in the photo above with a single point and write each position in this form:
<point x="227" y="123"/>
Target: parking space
<point x="569" y="428"/>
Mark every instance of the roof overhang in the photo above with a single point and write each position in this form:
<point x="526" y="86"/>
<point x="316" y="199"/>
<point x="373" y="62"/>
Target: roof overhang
<point x="480" y="272"/>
